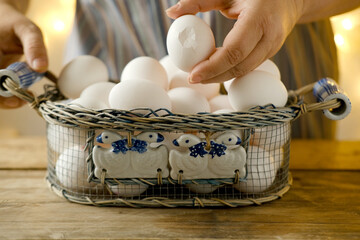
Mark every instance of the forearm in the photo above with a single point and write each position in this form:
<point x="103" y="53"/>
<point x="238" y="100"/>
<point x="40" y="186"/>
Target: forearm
<point x="313" y="10"/>
<point x="20" y="5"/>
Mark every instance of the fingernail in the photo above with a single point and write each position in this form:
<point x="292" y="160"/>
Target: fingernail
<point x="194" y="79"/>
<point x="39" y="64"/>
<point x="12" y="102"/>
<point x="173" y="8"/>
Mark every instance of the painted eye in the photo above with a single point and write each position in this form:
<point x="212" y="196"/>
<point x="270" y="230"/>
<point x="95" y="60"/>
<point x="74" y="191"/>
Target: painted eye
<point x="150" y="136"/>
<point x="106" y="137"/>
<point x="229" y="139"/>
<point x="187" y="141"/>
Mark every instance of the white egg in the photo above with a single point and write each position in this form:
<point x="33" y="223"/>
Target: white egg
<point x="80" y="73"/>
<point x="189" y="41"/>
<point x="129" y="190"/>
<point x="219" y="102"/>
<point x="226" y="110"/>
<point x="139" y="93"/>
<point x="227" y="84"/>
<point x="60" y="138"/>
<point x="209" y="90"/>
<point x="145" y="68"/>
<point x="99" y="91"/>
<point x="89" y="102"/>
<point x="261" y="171"/>
<point x="278" y="155"/>
<point x="257" y="88"/>
<point x="270" y="67"/>
<point x="72" y="171"/>
<point x="169" y="66"/>
<point x="202" y="188"/>
<point x="271" y="137"/>
<point x="188" y="101"/>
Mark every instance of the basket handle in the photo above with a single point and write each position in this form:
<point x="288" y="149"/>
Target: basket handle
<point x="17" y="77"/>
<point x="331" y="99"/>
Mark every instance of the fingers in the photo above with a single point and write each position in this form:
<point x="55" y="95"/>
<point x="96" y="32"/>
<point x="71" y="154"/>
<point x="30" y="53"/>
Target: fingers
<point x="238" y="45"/>
<point x="248" y="64"/>
<point x="11" y="102"/>
<point x="7" y="59"/>
<point x="33" y="45"/>
<point x="192" y="7"/>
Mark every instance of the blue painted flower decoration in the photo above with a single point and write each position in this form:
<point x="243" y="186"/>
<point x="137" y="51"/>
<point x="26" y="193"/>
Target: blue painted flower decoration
<point x="198" y="149"/>
<point x="138" y="146"/>
<point x="120" y="146"/>
<point x="217" y="149"/>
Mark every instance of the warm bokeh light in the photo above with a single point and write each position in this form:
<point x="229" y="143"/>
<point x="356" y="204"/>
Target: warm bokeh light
<point x="347" y="24"/>
<point x="339" y="40"/>
<point x="59" y="25"/>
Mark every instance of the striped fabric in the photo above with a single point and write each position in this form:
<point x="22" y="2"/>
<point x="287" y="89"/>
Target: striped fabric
<point x="117" y="31"/>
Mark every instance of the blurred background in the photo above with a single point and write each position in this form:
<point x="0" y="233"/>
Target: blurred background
<point x="55" y="19"/>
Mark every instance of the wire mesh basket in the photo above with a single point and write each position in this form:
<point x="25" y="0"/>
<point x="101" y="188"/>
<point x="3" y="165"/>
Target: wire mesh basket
<point x="163" y="159"/>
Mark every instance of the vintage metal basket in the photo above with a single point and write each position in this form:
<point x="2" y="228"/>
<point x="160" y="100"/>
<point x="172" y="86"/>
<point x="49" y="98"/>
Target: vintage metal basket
<point x="74" y="133"/>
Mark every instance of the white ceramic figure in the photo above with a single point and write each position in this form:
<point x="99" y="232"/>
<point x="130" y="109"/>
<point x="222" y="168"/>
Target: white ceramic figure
<point x="138" y="160"/>
<point x="114" y="160"/>
<point x="145" y="159"/>
<point x="193" y="161"/>
<point x="227" y="156"/>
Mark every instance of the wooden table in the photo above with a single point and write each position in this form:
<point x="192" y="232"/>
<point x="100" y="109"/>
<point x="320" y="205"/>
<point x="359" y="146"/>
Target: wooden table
<point x="323" y="203"/>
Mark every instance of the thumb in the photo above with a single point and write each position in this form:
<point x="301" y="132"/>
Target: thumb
<point x="33" y="45"/>
<point x="194" y="6"/>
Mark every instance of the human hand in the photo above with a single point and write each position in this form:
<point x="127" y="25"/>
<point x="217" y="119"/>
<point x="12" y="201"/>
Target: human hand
<point x="10" y="102"/>
<point x="18" y="35"/>
<point x="259" y="32"/>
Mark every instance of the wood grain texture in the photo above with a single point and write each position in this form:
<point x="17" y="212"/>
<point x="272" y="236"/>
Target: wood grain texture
<point x="320" y="205"/>
<point x="31" y="152"/>
<point x="325" y="154"/>
<point x="23" y="153"/>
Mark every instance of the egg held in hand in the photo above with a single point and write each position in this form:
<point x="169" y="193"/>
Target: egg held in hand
<point x="138" y="93"/>
<point x="80" y="73"/>
<point x="189" y="41"/>
<point x="257" y="88"/>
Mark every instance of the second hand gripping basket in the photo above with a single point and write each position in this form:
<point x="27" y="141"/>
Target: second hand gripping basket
<point x="163" y="159"/>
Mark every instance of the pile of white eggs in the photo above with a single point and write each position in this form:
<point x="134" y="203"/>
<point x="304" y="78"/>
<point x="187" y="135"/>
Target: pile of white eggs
<point x="150" y="83"/>
<point x="146" y="82"/>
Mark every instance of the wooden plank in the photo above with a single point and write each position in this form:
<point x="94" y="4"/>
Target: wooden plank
<point x="31" y="152"/>
<point x="320" y="205"/>
<point x="23" y="152"/>
<point x="325" y="154"/>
